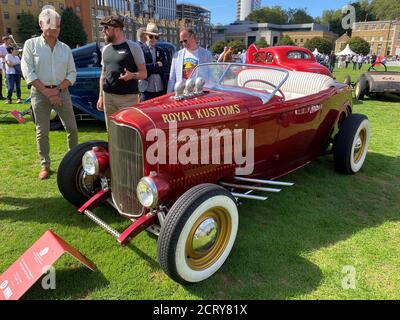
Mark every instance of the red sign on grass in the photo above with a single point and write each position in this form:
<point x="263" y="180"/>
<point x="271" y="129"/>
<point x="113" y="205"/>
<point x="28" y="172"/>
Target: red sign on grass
<point x="34" y="263"/>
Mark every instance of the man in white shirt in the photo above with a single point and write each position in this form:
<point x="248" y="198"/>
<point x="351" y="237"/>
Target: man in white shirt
<point x="47" y="64"/>
<point x="3" y="52"/>
<point x="187" y="59"/>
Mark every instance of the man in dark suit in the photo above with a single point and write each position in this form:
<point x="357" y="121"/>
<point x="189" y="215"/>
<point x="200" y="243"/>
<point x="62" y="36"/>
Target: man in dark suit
<point x="156" y="64"/>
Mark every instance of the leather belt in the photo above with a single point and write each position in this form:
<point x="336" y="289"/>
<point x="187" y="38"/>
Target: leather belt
<point x="50" y="87"/>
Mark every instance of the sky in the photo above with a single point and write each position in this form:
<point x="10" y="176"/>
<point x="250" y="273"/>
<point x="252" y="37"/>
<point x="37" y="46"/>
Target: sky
<point x="224" y="11"/>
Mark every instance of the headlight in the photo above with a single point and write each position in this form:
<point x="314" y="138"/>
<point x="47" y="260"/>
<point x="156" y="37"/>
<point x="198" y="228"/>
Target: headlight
<point x="147" y="193"/>
<point x="90" y="164"/>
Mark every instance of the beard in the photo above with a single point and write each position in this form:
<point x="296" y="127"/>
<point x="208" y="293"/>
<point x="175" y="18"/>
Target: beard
<point x="109" y="39"/>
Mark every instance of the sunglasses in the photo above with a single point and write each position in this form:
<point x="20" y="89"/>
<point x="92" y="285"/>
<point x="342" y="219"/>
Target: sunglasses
<point x="151" y="36"/>
<point x="107" y="27"/>
<point x="183" y="41"/>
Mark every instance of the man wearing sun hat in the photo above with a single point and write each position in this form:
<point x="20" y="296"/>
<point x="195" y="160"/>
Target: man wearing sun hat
<point x="123" y="66"/>
<point x="156" y="64"/>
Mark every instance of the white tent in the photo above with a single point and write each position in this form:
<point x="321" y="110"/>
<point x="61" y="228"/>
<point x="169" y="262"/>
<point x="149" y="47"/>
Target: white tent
<point x="316" y="52"/>
<point x="346" y="51"/>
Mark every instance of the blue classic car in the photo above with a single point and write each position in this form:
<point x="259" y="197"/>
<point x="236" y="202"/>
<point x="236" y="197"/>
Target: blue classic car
<point x="85" y="92"/>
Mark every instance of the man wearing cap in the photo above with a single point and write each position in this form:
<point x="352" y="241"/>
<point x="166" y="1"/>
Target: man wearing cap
<point x="156" y="64"/>
<point x="47" y="64"/>
<point x="187" y="59"/>
<point x="123" y="66"/>
<point x="3" y="52"/>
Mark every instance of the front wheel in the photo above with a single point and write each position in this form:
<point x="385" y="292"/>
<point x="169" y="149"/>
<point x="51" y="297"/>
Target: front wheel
<point x="72" y="181"/>
<point x="350" y="147"/>
<point x="198" y="234"/>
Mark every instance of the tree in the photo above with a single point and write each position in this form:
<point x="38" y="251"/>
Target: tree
<point x="27" y="27"/>
<point x="334" y="20"/>
<point x="72" y="32"/>
<point x="269" y="15"/>
<point x="236" y="46"/>
<point x="218" y="46"/>
<point x="286" y="41"/>
<point x="386" y="9"/>
<point x="323" y="45"/>
<point x="359" y="45"/>
<point x="261" y="43"/>
<point x="363" y="11"/>
<point x="299" y="16"/>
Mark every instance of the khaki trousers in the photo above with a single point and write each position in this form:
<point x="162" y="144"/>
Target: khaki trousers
<point x="41" y="106"/>
<point x="114" y="102"/>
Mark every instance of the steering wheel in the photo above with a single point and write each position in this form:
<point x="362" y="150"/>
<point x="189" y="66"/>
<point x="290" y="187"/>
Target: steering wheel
<point x="267" y="83"/>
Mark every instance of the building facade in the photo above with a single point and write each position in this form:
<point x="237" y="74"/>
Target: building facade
<point x="168" y="16"/>
<point x="301" y="37"/>
<point x="245" y="7"/>
<point x="383" y="36"/>
<point x="12" y="9"/>
<point x="156" y="9"/>
<point x="248" y="32"/>
<point x="341" y="42"/>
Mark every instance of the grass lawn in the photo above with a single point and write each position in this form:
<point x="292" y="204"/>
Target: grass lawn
<point x="293" y="246"/>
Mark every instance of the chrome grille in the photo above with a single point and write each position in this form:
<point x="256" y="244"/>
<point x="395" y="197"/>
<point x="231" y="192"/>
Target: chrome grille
<point x="126" y="162"/>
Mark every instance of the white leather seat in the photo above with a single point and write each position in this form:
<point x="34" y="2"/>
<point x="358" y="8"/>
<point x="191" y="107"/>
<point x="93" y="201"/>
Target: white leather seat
<point x="299" y="84"/>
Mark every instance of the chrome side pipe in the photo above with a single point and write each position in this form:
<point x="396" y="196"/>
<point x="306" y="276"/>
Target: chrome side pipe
<point x="260" y="181"/>
<point x="245" y="187"/>
<point x="248" y="196"/>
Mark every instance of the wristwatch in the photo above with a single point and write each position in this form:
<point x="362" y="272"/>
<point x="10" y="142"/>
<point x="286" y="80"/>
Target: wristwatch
<point x="59" y="89"/>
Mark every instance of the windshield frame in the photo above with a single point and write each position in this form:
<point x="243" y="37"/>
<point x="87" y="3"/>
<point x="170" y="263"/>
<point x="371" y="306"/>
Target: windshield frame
<point x="265" y="97"/>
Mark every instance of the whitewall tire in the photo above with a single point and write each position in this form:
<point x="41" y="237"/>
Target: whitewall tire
<point x="198" y="233"/>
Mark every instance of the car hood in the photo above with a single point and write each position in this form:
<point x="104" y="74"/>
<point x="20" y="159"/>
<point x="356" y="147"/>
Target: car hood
<point x="207" y="110"/>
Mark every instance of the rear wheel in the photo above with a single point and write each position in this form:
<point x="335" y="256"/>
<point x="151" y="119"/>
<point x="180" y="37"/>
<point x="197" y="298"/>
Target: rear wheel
<point x="198" y="234"/>
<point x="350" y="147"/>
<point x="72" y="181"/>
<point x="361" y="88"/>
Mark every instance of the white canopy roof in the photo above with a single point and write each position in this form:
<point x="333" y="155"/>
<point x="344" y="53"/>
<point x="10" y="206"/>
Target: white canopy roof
<point x="315" y="52"/>
<point x="346" y="51"/>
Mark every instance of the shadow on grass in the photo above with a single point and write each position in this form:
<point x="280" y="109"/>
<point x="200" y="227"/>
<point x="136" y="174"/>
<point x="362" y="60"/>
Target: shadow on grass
<point x="67" y="287"/>
<point x="271" y="256"/>
<point x="53" y="211"/>
<point x="270" y="259"/>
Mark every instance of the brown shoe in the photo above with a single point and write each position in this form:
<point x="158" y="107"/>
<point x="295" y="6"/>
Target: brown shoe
<point x="44" y="173"/>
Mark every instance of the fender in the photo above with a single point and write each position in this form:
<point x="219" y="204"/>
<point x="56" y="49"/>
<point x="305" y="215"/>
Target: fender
<point x="86" y="108"/>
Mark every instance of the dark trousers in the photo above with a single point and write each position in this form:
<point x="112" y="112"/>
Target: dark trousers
<point x="354" y="65"/>
<point x="150" y="95"/>
<point x="13" y="80"/>
<point x="1" y="83"/>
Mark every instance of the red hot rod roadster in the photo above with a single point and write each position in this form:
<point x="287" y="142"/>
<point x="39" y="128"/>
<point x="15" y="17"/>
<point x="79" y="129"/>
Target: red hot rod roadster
<point x="174" y="165"/>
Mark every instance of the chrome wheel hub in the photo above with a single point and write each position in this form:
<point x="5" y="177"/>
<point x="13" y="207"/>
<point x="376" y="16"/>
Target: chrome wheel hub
<point x="205" y="236"/>
<point x="358" y="145"/>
